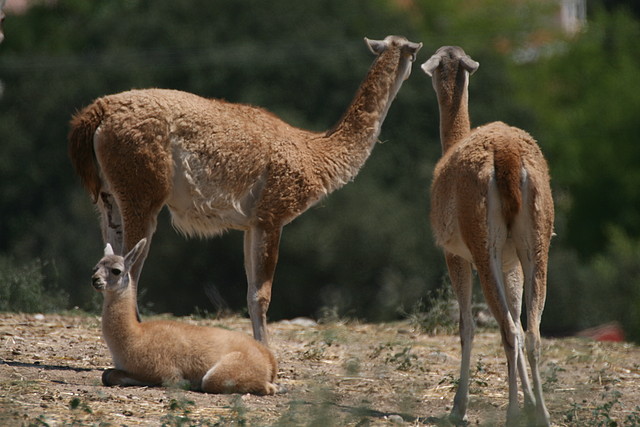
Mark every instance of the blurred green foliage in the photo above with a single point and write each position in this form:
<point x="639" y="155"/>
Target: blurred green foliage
<point x="587" y="116"/>
<point x="366" y="250"/>
<point x="23" y="288"/>
<point x="584" y="98"/>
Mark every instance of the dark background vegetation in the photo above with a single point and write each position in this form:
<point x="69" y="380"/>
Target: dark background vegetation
<point x="366" y="251"/>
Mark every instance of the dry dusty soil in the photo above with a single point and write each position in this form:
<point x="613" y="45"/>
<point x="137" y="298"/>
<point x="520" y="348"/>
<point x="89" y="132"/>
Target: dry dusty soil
<point x="333" y="374"/>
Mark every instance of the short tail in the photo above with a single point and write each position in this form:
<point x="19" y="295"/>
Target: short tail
<point x="83" y="127"/>
<point x="507" y="165"/>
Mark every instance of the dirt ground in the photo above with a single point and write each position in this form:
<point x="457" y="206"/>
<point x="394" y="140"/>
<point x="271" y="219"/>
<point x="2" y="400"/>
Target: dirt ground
<point x="340" y="373"/>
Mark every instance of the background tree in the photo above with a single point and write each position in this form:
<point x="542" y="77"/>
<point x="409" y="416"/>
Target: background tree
<point x="366" y="250"/>
<point x="241" y="51"/>
<point x="583" y="97"/>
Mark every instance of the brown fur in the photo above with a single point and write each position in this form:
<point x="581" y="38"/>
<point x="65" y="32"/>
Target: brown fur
<point x="491" y="208"/>
<point x="507" y="165"/>
<point x="83" y="126"/>
<point x="208" y="359"/>
<point x="219" y="165"/>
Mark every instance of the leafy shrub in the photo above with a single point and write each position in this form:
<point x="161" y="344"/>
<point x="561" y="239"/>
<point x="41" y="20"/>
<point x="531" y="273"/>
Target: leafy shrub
<point x="599" y="289"/>
<point x="617" y="281"/>
<point x="22" y="288"/>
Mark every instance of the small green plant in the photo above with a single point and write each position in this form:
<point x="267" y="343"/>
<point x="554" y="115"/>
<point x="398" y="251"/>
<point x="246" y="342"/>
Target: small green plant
<point x="571" y="415"/>
<point x="551" y="377"/>
<point x="77" y="403"/>
<point x="238" y="411"/>
<point x="603" y="377"/>
<point x="476" y="377"/>
<point x="179" y="413"/>
<point x="449" y="379"/>
<point x="602" y="413"/>
<point x="403" y="359"/>
<point x="633" y="419"/>
<point x="377" y="350"/>
<point x="39" y="421"/>
<point x="316" y="349"/>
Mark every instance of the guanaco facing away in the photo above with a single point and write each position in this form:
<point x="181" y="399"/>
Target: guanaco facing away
<point x="208" y="359"/>
<point x="492" y="209"/>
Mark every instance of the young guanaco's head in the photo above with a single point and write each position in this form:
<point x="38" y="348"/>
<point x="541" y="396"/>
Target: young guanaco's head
<point x="111" y="274"/>
<point x="408" y="51"/>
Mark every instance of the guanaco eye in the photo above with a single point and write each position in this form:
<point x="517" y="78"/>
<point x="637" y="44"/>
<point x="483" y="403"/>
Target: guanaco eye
<point x="116" y="271"/>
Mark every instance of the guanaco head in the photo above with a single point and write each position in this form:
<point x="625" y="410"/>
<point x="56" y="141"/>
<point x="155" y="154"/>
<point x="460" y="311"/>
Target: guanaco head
<point x="112" y="271"/>
<point x="407" y="50"/>
<point x="450" y="68"/>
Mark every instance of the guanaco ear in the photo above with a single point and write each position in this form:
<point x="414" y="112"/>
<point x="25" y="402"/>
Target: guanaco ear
<point x="430" y="66"/>
<point x="412" y="48"/>
<point x="134" y="254"/>
<point x="108" y="250"/>
<point x="376" y="46"/>
<point x="469" y="64"/>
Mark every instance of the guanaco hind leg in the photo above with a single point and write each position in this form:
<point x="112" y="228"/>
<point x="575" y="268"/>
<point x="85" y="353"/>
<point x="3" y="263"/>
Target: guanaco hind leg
<point x="235" y="373"/>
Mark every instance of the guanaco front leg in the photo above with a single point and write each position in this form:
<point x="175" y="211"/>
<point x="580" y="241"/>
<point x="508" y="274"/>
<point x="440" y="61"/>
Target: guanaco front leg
<point x="261" y="256"/>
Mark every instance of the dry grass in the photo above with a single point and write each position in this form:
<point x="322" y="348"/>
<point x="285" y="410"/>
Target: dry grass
<point x="339" y="373"/>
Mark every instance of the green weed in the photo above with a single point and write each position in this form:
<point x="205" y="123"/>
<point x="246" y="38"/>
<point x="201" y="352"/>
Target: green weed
<point x="602" y="414"/>
<point x="402" y="360"/>
<point x="39" y="421"/>
<point x="551" y="376"/>
<point x="179" y="413"/>
<point x="238" y="416"/>
<point x="77" y="404"/>
<point x="315" y="350"/>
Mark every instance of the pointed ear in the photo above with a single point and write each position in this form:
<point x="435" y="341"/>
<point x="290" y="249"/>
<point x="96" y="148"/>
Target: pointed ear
<point x="469" y="64"/>
<point x="134" y="254"/>
<point x="413" y="48"/>
<point x="430" y="66"/>
<point x="376" y="46"/>
<point x="108" y="250"/>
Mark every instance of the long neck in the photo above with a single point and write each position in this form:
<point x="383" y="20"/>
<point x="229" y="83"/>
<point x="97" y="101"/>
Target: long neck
<point x="119" y="317"/>
<point x="343" y="150"/>
<point x="454" y="112"/>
